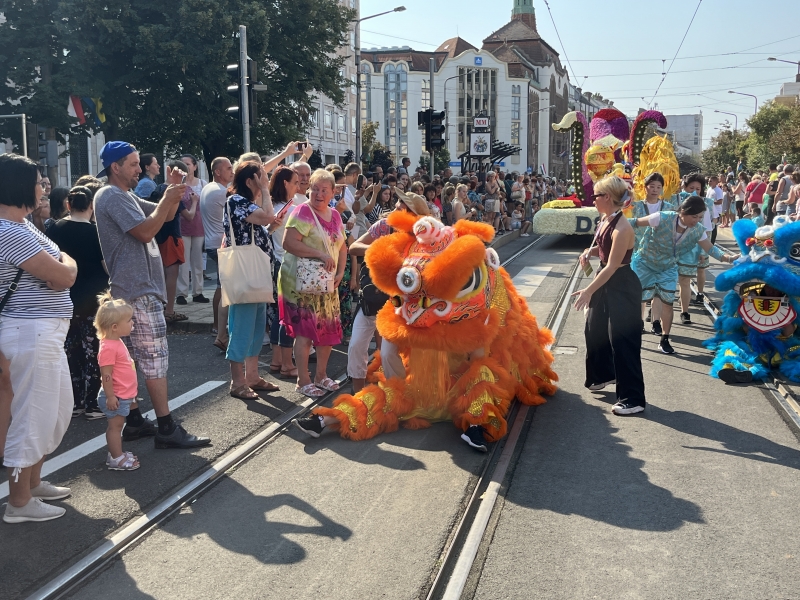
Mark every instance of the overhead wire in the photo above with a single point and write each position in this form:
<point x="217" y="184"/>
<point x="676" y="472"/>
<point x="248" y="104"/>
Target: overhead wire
<point x="563" y="48"/>
<point x="676" y="53"/>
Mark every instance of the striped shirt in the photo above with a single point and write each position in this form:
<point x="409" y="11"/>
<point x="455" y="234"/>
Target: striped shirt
<point x="33" y="299"/>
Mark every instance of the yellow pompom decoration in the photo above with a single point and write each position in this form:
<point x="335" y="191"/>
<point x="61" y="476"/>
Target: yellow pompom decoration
<point x="559" y="204"/>
<point x="658" y="156"/>
<point x="599" y="159"/>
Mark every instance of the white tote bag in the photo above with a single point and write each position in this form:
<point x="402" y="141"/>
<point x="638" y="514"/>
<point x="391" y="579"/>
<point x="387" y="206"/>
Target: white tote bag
<point x="245" y="272"/>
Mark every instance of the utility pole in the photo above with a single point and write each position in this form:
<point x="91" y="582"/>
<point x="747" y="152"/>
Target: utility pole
<point x="432" y="67"/>
<point x="243" y="88"/>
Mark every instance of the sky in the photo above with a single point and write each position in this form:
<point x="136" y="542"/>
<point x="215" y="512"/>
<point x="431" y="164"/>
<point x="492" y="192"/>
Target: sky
<point x="623" y="55"/>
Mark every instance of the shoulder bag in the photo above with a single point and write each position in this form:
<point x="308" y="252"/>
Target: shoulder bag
<point x="312" y="276"/>
<point x="11" y="289"/>
<point x="245" y="272"/>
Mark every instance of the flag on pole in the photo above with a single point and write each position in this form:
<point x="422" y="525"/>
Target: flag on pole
<point x="75" y="109"/>
<point x="544" y="171"/>
<point x="96" y="107"/>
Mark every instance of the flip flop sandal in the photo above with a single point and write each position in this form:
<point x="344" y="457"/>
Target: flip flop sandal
<point x="275" y="369"/>
<point x="310" y="390"/>
<point x="291" y="374"/>
<point x="264" y="386"/>
<point x="244" y="392"/>
<point x="328" y="384"/>
<point x="180" y="317"/>
<point x="169" y="318"/>
<point x="220" y="345"/>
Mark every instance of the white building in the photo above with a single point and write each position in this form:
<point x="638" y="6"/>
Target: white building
<point x="790" y="93"/>
<point x="687" y="130"/>
<point x="467" y="83"/>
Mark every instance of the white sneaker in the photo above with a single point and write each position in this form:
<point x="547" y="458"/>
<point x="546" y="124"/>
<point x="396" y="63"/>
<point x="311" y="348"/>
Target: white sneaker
<point x="599" y="386"/>
<point x="34" y="510"/>
<point x="47" y="491"/>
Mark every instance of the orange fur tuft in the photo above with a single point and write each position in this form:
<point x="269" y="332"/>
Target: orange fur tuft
<point x="402" y="220"/>
<point x="483" y="231"/>
<point x="384" y="258"/>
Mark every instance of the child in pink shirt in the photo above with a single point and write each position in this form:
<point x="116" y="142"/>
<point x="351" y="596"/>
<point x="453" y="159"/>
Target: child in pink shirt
<point x="113" y="321"/>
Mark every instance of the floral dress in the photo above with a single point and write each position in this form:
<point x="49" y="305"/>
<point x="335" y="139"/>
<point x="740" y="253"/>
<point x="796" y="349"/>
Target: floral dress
<point x="315" y="316"/>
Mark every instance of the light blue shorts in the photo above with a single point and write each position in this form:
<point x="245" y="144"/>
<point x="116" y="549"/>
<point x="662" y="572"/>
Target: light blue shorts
<point x="691" y="260"/>
<point x="123" y="410"/>
<point x="656" y="283"/>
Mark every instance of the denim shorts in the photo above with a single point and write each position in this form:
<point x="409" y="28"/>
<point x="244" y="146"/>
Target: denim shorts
<point x="123" y="410"/>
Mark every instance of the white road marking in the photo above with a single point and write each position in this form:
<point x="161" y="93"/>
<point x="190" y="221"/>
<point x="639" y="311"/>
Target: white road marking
<point x="86" y="448"/>
<point x="529" y="279"/>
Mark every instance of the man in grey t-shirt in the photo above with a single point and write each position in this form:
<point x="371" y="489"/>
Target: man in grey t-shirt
<point x="127" y="226"/>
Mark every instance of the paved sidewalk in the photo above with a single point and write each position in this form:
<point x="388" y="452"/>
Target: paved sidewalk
<point x="696" y="498"/>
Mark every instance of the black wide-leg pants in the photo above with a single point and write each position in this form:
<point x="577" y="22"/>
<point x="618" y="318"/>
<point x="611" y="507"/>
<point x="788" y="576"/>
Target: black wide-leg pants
<point x="614" y="336"/>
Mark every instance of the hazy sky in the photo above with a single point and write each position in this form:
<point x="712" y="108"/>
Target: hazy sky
<point x="620" y="53"/>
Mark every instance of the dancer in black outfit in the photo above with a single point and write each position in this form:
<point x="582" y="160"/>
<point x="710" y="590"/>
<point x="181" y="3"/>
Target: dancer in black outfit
<point x="613" y="323"/>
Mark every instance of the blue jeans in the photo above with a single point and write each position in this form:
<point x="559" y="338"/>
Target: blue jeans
<point x="246" y="326"/>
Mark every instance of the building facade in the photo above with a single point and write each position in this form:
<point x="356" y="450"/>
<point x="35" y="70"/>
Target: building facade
<point x="687" y="131"/>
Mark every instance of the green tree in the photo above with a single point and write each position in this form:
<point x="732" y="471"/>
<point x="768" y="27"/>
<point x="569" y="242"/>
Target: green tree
<point x="764" y="125"/>
<point x="159" y="68"/>
<point x="441" y="160"/>
<point x="370" y="145"/>
<point x="724" y="151"/>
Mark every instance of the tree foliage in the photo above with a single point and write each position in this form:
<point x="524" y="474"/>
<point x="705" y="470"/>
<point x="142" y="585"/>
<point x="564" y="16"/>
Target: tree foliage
<point x="159" y="67"/>
<point x="773" y="136"/>
<point x="372" y="151"/>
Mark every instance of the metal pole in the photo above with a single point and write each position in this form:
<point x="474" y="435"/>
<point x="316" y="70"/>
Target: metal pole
<point x="243" y="90"/>
<point x="357" y="37"/>
<point x="432" y="68"/>
<point x="24" y="135"/>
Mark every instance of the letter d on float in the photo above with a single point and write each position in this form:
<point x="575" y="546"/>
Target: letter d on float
<point x="583" y="224"/>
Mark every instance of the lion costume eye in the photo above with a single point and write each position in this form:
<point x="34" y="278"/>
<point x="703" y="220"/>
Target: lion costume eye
<point x="794" y="253"/>
<point x="473" y="284"/>
<point x="409" y="280"/>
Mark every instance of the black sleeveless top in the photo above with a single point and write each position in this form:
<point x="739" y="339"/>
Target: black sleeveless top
<point x="604" y="243"/>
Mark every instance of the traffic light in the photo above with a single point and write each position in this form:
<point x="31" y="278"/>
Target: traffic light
<point x="423" y="119"/>
<point x="47" y="150"/>
<point x="253" y="87"/>
<point x="434" y="131"/>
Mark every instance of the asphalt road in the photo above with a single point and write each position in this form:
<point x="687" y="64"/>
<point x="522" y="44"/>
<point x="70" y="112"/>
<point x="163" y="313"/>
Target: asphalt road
<point x="102" y="501"/>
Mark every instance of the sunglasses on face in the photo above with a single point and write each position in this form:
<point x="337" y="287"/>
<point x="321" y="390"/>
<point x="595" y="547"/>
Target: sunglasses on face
<point x="596" y="196"/>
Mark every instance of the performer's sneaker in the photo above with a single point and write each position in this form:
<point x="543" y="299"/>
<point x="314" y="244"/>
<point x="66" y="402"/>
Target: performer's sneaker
<point x="596" y="387"/>
<point x="731" y="376"/>
<point x="686" y="318"/>
<point x="656" y="328"/>
<point x="699" y="299"/>
<point x="312" y="425"/>
<point x="623" y="407"/>
<point x="665" y="346"/>
<point x="649" y="315"/>
<point x="474" y="437"/>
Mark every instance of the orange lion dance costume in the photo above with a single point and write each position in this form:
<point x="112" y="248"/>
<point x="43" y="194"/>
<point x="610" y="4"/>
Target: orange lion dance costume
<point x="467" y="339"/>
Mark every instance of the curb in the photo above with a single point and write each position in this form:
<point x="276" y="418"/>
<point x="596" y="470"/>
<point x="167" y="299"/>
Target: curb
<point x="499" y="242"/>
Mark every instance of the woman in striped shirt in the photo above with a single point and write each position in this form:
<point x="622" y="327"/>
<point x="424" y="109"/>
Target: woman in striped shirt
<point x="33" y="327"/>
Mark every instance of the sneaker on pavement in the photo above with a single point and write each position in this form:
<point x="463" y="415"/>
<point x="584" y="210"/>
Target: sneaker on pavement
<point x="596" y="387"/>
<point x="623" y="407"/>
<point x="34" y="510"/>
<point x="731" y="376"/>
<point x="312" y="425"/>
<point x="93" y="413"/>
<point x="201" y="299"/>
<point x="47" y="491"/>
<point x="146" y="429"/>
<point x="77" y="411"/>
<point x="665" y="346"/>
<point x="655" y="329"/>
<point x="699" y="298"/>
<point x="180" y="438"/>
<point x="474" y="437"/>
<point x="686" y="319"/>
<point x="180" y="300"/>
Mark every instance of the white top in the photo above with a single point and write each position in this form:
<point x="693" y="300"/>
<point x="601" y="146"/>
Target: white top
<point x="716" y="194"/>
<point x="655" y="220"/>
<point x="212" y="207"/>
<point x="277" y="235"/>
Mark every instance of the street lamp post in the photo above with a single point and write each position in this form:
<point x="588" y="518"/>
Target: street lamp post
<point x="743" y="94"/>
<point x="791" y="62"/>
<point x="734" y="115"/>
<point x="357" y="41"/>
<point x="446" y="104"/>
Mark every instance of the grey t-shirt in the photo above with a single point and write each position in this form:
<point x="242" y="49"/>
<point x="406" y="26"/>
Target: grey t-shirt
<point x="134" y="267"/>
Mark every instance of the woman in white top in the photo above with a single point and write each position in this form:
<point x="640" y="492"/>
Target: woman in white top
<point x="194" y="237"/>
<point x="739" y="192"/>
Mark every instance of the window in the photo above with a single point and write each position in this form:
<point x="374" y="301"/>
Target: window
<point x="515" y="133"/>
<point x="341" y="123"/>
<point x="78" y="147"/>
<point x="314" y="118"/>
<point x="477" y="95"/>
<point x="353" y="85"/>
<point x="426" y="94"/>
<point x="366" y="94"/>
<point x="515" y="104"/>
<point x="328" y="118"/>
<point x="352" y="123"/>
<point x="515" y="89"/>
<point x="396" y="99"/>
<point x="353" y="40"/>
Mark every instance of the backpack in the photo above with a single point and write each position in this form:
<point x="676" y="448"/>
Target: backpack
<point x="372" y="299"/>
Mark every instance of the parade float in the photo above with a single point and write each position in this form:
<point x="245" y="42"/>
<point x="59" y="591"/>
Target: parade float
<point x="468" y="342"/>
<point x="756" y="332"/>
<point x="607" y="145"/>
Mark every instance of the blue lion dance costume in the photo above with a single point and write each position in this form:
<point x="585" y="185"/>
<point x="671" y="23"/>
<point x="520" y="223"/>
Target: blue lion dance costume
<point x="756" y="331"/>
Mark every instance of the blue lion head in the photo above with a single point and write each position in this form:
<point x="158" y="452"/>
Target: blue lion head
<point x="770" y="254"/>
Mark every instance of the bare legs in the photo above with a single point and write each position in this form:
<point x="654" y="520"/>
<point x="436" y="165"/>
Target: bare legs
<point x="20" y="485"/>
<point x="171" y="280"/>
